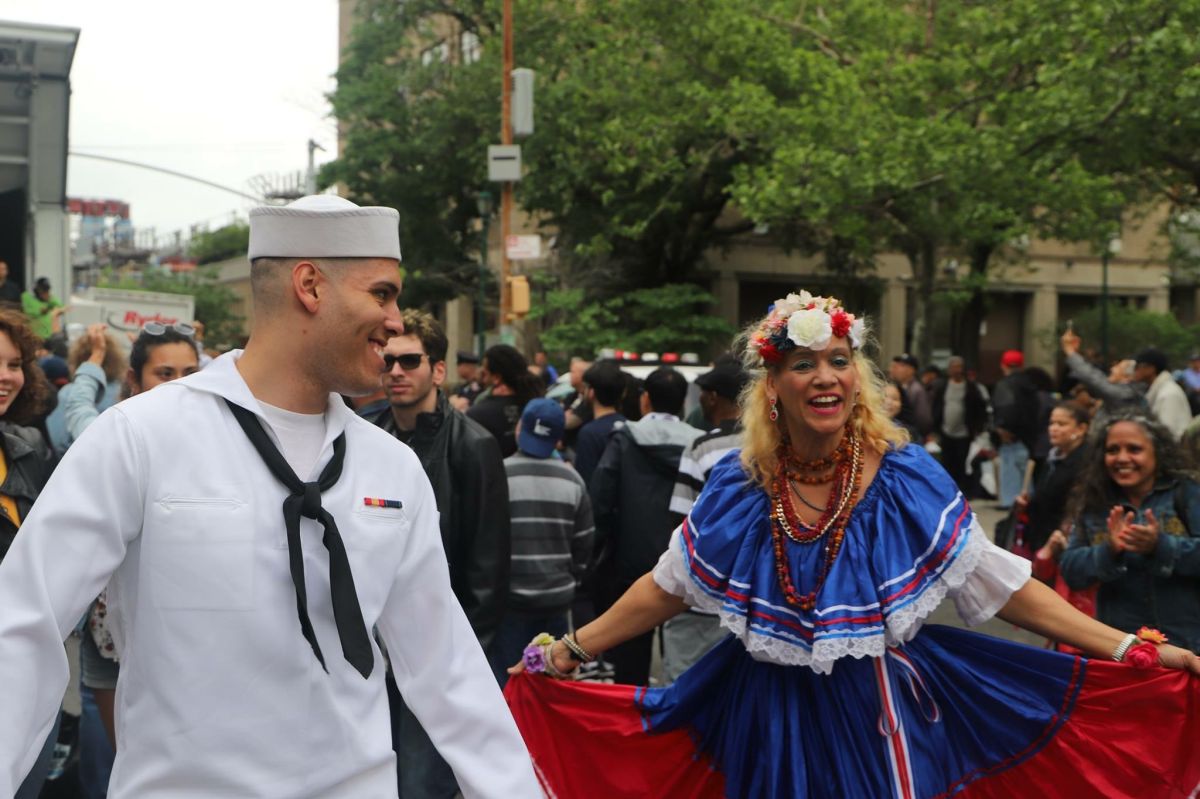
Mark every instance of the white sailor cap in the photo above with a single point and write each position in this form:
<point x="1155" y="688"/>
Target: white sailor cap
<point x="324" y="226"/>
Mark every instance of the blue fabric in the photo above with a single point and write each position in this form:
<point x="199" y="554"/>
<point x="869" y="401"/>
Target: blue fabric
<point x="96" y="753"/>
<point x="31" y="786"/>
<point x="907" y="531"/>
<point x="1160" y="589"/>
<point x="515" y="632"/>
<point x="1013" y="458"/>
<point x="785" y="731"/>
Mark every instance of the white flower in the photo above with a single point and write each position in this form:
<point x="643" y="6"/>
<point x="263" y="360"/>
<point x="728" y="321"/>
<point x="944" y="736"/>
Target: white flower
<point x="810" y="328"/>
<point x="858" y="331"/>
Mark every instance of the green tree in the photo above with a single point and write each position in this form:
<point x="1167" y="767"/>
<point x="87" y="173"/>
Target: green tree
<point x="211" y="246"/>
<point x="670" y="318"/>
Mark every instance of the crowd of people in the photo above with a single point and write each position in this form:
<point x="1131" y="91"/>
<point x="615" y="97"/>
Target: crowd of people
<point x="784" y="526"/>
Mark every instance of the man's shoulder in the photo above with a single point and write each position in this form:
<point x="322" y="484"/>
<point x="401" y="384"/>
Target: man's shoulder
<point x="467" y="433"/>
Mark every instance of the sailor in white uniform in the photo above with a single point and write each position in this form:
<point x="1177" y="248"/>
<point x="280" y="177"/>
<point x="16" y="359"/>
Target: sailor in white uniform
<point x="255" y="530"/>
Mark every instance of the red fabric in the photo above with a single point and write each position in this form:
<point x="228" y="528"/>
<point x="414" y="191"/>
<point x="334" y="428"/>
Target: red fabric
<point x="1122" y="738"/>
<point x="550" y="715"/>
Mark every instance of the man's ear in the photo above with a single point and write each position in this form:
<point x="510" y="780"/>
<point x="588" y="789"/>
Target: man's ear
<point x="439" y="374"/>
<point x="308" y="284"/>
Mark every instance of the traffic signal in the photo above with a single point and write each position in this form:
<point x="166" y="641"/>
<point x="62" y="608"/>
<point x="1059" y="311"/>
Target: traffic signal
<point x="518" y="296"/>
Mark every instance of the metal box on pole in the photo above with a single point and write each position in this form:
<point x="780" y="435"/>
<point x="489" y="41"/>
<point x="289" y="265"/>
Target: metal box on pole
<point x="522" y="102"/>
<point x="504" y="163"/>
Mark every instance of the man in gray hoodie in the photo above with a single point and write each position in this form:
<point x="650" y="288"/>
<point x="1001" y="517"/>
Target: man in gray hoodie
<point x="631" y="497"/>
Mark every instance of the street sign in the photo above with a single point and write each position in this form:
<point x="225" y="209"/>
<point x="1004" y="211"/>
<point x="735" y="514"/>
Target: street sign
<point x="523" y="248"/>
<point x="504" y="163"/>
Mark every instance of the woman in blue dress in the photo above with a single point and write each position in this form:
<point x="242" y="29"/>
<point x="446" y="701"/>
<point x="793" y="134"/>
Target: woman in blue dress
<point x="823" y="546"/>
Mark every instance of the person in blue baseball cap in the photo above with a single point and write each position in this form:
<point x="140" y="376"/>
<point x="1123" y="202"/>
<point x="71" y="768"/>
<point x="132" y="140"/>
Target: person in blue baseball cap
<point x="542" y="424"/>
<point x="552" y="534"/>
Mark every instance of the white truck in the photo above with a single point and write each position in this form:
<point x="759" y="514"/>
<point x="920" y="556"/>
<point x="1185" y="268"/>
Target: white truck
<point x="126" y="310"/>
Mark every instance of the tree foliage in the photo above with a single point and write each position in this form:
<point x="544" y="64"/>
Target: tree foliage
<point x="670" y="318"/>
<point x="1130" y="330"/>
<point x="939" y="130"/>
<point x="211" y="246"/>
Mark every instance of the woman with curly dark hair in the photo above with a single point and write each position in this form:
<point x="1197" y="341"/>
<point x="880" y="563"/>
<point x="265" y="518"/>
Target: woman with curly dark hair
<point x="25" y="459"/>
<point x="1137" y="530"/>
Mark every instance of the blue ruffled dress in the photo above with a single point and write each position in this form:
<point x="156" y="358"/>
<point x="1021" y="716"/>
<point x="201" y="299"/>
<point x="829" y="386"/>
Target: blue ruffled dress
<point x="856" y="698"/>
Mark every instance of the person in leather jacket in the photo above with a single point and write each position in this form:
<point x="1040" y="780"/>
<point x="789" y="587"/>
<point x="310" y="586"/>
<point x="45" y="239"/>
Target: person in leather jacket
<point x="463" y="462"/>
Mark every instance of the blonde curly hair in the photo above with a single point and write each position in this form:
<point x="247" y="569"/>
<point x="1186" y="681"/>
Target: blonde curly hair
<point x="761" y="436"/>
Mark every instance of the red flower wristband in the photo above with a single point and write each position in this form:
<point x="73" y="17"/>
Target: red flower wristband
<point x="1142" y="656"/>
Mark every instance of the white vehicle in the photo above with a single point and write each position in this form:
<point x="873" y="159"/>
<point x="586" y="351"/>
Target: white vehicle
<point x="125" y="311"/>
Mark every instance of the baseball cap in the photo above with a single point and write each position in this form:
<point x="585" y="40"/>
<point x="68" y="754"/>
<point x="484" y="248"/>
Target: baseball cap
<point x="542" y="424"/>
<point x="466" y="356"/>
<point x="1013" y="359"/>
<point x="726" y="379"/>
<point x="904" y="357"/>
<point x="56" y="370"/>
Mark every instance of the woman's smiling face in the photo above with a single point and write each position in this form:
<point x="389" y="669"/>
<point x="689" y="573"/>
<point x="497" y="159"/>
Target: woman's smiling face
<point x="816" y="390"/>
<point x="1129" y="458"/>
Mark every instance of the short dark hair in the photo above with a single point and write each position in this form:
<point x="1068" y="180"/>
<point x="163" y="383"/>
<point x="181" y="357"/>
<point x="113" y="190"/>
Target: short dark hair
<point x="606" y="379"/>
<point x="667" y="390"/>
<point x="140" y="352"/>
<point x="428" y="330"/>
<point x="1153" y="357"/>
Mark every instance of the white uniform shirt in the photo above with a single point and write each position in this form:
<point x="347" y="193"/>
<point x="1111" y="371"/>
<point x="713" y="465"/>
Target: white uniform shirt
<point x="220" y="695"/>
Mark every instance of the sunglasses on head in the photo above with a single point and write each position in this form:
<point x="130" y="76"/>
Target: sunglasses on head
<point x="408" y="361"/>
<point x="158" y="329"/>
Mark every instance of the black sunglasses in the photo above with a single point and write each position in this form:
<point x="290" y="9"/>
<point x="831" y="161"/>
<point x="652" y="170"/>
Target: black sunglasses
<point x="408" y="361"/>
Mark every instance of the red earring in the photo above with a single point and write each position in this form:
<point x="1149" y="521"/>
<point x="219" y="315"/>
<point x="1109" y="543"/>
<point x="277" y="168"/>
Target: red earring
<point x="774" y="414"/>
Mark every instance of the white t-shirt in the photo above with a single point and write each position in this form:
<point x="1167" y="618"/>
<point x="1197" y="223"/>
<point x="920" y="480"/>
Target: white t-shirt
<point x="301" y="436"/>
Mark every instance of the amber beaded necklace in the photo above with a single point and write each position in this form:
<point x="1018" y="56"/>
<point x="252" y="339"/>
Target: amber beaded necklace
<point x="846" y="464"/>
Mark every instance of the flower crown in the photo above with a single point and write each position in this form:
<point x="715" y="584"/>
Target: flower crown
<point x="802" y="320"/>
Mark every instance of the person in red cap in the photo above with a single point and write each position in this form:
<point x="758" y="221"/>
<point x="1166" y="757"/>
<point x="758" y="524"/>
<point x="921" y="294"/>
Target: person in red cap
<point x="1015" y="414"/>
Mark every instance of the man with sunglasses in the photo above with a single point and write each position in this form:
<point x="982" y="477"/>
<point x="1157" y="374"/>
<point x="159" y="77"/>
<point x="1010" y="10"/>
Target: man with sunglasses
<point x="253" y="533"/>
<point x="463" y="462"/>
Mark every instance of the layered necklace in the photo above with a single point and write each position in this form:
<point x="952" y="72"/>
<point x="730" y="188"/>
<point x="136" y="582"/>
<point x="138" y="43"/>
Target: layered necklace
<point x="844" y="469"/>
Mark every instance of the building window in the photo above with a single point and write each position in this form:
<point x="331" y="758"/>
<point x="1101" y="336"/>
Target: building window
<point x="470" y="47"/>
<point x="437" y="54"/>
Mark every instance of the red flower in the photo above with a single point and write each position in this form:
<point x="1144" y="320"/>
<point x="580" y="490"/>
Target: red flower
<point x="769" y="353"/>
<point x="841" y="324"/>
<point x="1142" y="656"/>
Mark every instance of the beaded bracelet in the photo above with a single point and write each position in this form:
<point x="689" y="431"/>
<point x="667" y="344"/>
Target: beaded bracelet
<point x="1123" y="647"/>
<point x="577" y="651"/>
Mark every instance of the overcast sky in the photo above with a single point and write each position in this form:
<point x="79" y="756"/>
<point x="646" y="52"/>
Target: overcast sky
<point x="224" y="90"/>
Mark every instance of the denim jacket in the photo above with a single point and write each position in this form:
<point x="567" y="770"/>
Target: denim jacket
<point x="1160" y="590"/>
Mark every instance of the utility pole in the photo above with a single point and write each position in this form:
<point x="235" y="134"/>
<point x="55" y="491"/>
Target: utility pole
<point x="506" y="190"/>
<point x="310" y="178"/>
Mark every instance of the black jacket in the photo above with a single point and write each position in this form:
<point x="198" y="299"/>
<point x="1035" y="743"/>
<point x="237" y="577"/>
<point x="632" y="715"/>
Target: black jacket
<point x="463" y="463"/>
<point x="29" y="465"/>
<point x="631" y="496"/>
<point x="975" y="412"/>
<point x="1048" y="505"/>
<point x="1016" y="407"/>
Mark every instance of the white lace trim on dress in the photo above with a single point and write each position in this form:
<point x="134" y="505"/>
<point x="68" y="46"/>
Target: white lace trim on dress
<point x="980" y="580"/>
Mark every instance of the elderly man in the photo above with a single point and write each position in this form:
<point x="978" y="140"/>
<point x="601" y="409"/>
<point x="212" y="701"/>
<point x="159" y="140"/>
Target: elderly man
<point x="253" y="541"/>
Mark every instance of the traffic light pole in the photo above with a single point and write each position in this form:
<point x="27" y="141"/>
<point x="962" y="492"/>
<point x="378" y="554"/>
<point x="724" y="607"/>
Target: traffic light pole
<point x="506" y="190"/>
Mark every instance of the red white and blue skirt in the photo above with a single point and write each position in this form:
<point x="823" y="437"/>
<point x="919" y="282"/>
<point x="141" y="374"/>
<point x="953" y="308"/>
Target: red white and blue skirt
<point x="951" y="713"/>
<point x="855" y="698"/>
